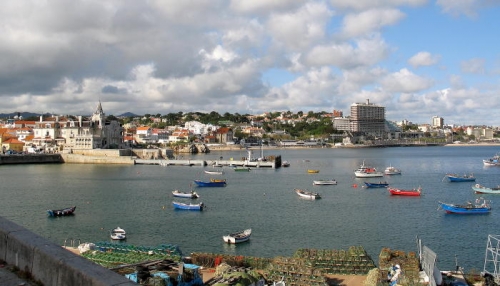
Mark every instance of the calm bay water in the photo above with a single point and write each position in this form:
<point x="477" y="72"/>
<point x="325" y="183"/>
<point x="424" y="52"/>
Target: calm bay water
<point x="138" y="199"/>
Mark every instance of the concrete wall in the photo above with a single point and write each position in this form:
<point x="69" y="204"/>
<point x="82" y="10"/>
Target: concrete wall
<point x="87" y="159"/>
<point x="30" y="159"/>
<point x="49" y="263"/>
<point x="101" y="152"/>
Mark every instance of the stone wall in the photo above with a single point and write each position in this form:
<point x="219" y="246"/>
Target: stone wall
<point x="30" y="159"/>
<point x="49" y="263"/>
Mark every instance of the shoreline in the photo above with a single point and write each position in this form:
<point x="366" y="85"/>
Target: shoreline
<point x="253" y="148"/>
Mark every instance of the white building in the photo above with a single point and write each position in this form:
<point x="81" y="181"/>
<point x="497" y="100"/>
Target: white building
<point x="96" y="132"/>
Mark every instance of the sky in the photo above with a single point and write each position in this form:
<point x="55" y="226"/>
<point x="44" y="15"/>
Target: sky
<point x="417" y="58"/>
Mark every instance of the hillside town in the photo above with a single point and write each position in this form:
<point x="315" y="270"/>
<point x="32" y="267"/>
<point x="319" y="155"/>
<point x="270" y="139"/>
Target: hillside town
<point x="366" y="125"/>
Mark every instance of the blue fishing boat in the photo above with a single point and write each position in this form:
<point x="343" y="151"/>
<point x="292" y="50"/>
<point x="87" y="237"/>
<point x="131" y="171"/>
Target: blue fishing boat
<point x="183" y="206"/>
<point x="481" y="206"/>
<point x="215" y="183"/>
<point x="460" y="178"/>
<point x="62" y="212"/>
<point x="377" y="185"/>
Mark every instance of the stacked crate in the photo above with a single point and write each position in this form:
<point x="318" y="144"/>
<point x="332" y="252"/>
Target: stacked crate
<point x="408" y="262"/>
<point x="354" y="261"/>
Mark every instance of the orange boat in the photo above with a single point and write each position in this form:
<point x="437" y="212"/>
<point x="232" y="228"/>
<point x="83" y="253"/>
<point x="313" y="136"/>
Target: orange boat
<point x="399" y="192"/>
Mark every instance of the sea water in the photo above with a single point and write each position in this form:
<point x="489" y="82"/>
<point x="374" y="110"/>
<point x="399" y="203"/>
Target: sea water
<point x="138" y="198"/>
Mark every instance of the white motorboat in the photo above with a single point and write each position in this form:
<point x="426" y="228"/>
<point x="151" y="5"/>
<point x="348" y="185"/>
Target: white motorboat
<point x="392" y="171"/>
<point x="307" y="194"/>
<point x="238" y="237"/>
<point x="118" y="234"/>
<point x="325" y="182"/>
<point x="119" y="230"/>
<point x="367" y="172"/>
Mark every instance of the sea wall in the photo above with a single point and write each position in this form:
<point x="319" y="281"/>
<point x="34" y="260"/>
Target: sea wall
<point x="30" y="159"/>
<point x="89" y="159"/>
<point x="49" y="263"/>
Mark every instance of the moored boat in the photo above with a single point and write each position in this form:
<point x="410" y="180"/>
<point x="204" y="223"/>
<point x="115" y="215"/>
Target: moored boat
<point x="392" y="171"/>
<point x="191" y="195"/>
<point x="367" y="172"/>
<point x="183" y="206"/>
<point x="242" y="169"/>
<point x="217" y="180"/>
<point x="217" y="172"/>
<point x="312" y="171"/>
<point x="480" y="189"/>
<point x="118" y="234"/>
<point x="401" y="192"/>
<point x="238" y="237"/>
<point x="481" y="206"/>
<point x="460" y="178"/>
<point x="307" y="194"/>
<point x="285" y="164"/>
<point x="377" y="185"/>
<point x="325" y="182"/>
<point x="493" y="161"/>
<point x="62" y="212"/>
<point x="119" y="230"/>
<point x="200" y="183"/>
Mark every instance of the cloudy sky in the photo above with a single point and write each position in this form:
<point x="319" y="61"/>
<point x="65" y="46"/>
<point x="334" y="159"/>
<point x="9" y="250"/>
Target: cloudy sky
<point x="418" y="58"/>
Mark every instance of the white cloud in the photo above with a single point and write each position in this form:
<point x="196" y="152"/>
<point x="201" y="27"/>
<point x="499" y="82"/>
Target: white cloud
<point x="457" y="7"/>
<point x="299" y="29"/>
<point x="367" y="52"/>
<point x="369" y="21"/>
<point x="256" y="6"/>
<point x="474" y="66"/>
<point x="163" y="56"/>
<point x="405" y="81"/>
<point x="370" y="4"/>
<point x="423" y="59"/>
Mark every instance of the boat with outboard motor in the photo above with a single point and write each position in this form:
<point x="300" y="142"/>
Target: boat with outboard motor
<point x="183" y="206"/>
<point x="191" y="195"/>
<point x="307" y="194"/>
<point x="325" y="182"/>
<point x="377" y="185"/>
<point x="238" y="237"/>
<point x="200" y="183"/>
<point x="62" y="212"/>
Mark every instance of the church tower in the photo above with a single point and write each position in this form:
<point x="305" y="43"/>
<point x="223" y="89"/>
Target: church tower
<point x="98" y="117"/>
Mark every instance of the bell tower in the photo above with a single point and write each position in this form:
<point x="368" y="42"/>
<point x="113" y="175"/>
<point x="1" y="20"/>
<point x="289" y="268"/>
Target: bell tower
<point x="98" y="117"/>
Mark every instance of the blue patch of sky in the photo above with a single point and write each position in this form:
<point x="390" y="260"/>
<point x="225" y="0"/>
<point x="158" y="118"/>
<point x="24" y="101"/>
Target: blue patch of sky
<point x="453" y="38"/>
<point x="276" y="77"/>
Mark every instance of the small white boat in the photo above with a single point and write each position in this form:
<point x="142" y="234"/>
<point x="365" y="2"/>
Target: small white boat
<point x="238" y="237"/>
<point x="119" y="230"/>
<point x="217" y="172"/>
<point x="191" y="195"/>
<point x="325" y="182"/>
<point x="392" y="171"/>
<point x="308" y="195"/>
<point x="118" y="234"/>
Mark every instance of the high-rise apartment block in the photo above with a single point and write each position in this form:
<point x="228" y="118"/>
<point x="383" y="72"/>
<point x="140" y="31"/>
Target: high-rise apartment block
<point x="368" y="118"/>
<point x="437" y="122"/>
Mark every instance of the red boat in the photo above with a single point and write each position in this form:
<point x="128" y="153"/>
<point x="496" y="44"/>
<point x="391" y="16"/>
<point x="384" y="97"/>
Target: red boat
<point x="400" y="192"/>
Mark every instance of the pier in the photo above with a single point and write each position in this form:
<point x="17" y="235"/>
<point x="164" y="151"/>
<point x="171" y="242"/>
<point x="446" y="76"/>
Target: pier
<point x="216" y="163"/>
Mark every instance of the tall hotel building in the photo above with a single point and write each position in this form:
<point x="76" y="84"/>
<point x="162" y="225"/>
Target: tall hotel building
<point x="368" y="118"/>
